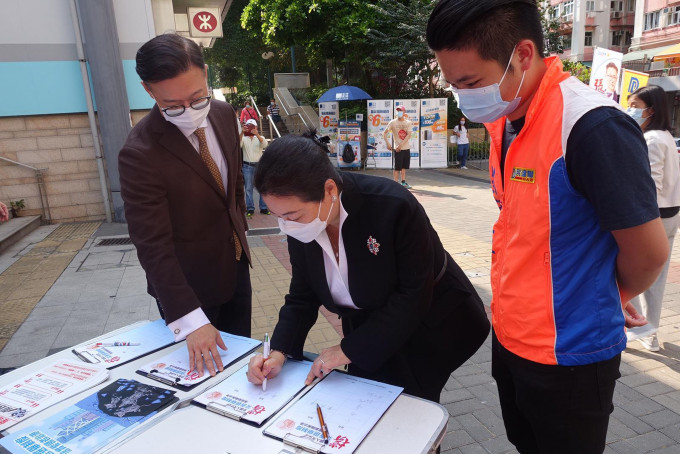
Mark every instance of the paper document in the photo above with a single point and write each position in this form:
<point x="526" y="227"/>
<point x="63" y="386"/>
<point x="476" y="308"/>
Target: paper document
<point x="173" y="369"/>
<point x="238" y="398"/>
<point x="351" y="407"/>
<point x="34" y="393"/>
<point x="93" y="422"/>
<point x="144" y="339"/>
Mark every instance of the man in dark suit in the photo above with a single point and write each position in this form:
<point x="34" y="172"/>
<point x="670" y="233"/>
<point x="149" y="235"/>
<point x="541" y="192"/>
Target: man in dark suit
<point x="182" y="184"/>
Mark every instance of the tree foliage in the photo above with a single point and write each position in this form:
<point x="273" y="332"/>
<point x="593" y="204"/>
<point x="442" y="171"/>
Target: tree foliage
<point x="551" y="28"/>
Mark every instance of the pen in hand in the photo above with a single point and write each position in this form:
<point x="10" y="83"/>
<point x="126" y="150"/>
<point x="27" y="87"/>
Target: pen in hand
<point x="266" y="357"/>
<point x="322" y="423"/>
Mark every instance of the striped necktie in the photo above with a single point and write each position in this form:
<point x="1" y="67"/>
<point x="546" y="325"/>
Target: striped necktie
<point x="215" y="172"/>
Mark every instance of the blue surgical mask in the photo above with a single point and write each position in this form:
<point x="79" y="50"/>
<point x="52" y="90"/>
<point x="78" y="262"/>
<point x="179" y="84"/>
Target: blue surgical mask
<point x="400" y="114"/>
<point x="485" y="104"/>
<point x="636" y="114"/>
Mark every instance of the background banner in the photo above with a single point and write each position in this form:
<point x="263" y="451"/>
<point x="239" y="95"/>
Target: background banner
<point x="379" y="115"/>
<point x="604" y="76"/>
<point x="632" y="80"/>
<point x="329" y="114"/>
<point x="413" y="115"/>
<point x="349" y="132"/>
<point x="433" y="124"/>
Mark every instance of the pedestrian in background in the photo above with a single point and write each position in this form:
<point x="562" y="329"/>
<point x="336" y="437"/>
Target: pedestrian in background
<point x="274" y="111"/>
<point x="400" y="128"/>
<point x="461" y="133"/>
<point x="181" y="181"/>
<point x="252" y="144"/>
<point x="649" y="108"/>
<point x="578" y="233"/>
<point x="248" y="113"/>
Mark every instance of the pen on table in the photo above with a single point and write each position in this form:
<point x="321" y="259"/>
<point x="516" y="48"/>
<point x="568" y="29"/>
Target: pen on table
<point x="266" y="357"/>
<point x="322" y="423"/>
<point x="116" y="344"/>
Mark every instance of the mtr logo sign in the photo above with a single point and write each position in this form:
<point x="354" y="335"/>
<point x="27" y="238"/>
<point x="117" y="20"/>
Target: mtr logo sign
<point x="204" y="22"/>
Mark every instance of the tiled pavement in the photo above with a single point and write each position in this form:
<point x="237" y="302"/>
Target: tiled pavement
<point x="103" y="288"/>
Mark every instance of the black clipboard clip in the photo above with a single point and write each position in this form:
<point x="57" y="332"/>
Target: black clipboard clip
<point x="300" y="445"/>
<point x="86" y="356"/>
<point x="224" y="410"/>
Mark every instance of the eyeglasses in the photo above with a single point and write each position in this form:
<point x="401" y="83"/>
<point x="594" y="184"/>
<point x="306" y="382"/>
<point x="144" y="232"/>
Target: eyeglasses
<point x="196" y="104"/>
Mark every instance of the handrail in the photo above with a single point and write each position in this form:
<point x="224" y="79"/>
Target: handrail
<point x="259" y="115"/>
<point x="272" y="125"/>
<point x="44" y="202"/>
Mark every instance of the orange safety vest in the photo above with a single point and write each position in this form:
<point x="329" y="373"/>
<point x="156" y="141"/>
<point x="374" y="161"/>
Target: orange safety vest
<point x="553" y="273"/>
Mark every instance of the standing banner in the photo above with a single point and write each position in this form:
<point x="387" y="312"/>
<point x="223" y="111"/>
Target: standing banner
<point x="413" y="115"/>
<point x="433" y="124"/>
<point x="329" y="114"/>
<point x="632" y="80"/>
<point x="379" y="115"/>
<point x="604" y="76"/>
<point x="349" y="132"/>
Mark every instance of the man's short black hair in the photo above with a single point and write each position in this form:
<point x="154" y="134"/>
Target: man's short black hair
<point x="167" y="56"/>
<point x="295" y="166"/>
<point x="655" y="97"/>
<point x="491" y="27"/>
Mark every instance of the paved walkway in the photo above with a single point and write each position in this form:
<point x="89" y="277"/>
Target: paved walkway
<point x="97" y="288"/>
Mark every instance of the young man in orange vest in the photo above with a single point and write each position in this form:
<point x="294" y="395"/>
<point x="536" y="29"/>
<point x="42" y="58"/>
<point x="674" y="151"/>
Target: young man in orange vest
<point x="578" y="234"/>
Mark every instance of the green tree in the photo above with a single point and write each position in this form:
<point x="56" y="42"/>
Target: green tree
<point x="578" y="70"/>
<point x="551" y="28"/>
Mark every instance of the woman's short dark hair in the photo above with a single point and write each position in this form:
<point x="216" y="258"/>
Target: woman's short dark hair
<point x="491" y="27"/>
<point x="655" y="97"/>
<point x="167" y="56"/>
<point x="295" y="166"/>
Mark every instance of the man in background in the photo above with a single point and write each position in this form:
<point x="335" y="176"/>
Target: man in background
<point x="400" y="128"/>
<point x="252" y="145"/>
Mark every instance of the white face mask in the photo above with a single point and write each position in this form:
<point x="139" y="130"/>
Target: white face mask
<point x="485" y="104"/>
<point x="306" y="233"/>
<point x="636" y="114"/>
<point x="190" y="119"/>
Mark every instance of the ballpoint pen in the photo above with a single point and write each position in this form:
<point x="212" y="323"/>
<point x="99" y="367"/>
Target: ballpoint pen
<point x="266" y="357"/>
<point x="116" y="344"/>
<point x="322" y="423"/>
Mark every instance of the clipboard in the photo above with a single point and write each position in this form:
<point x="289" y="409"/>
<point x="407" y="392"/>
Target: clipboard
<point x="237" y="399"/>
<point x="152" y="336"/>
<point x="174" y="370"/>
<point x="352" y="406"/>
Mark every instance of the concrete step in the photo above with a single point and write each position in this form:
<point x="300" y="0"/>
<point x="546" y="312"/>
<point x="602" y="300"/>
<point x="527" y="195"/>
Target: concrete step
<point x="17" y="228"/>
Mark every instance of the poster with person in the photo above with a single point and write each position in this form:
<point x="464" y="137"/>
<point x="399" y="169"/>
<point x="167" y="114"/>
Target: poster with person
<point x="412" y="114"/>
<point x="433" y="124"/>
<point x="604" y="76"/>
<point x="379" y="114"/>
<point x="329" y="115"/>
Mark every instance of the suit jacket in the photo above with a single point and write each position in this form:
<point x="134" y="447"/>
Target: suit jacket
<point x="406" y="323"/>
<point x="179" y="220"/>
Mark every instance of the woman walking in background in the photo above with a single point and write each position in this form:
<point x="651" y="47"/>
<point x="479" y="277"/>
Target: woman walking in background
<point x="648" y="106"/>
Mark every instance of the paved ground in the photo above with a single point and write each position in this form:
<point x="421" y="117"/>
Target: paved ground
<point x="59" y="287"/>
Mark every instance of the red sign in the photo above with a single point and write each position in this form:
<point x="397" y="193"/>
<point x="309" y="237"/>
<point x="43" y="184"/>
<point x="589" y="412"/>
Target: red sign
<point x="205" y="21"/>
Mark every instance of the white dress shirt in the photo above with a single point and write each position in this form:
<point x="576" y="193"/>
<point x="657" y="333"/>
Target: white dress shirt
<point x="336" y="271"/>
<point x="186" y="325"/>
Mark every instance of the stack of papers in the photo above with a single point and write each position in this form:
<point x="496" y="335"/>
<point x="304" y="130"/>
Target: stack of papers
<point x="59" y="381"/>
<point x="93" y="422"/>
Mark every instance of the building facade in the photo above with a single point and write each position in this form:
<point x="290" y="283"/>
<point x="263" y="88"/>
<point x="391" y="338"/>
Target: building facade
<point x="70" y="96"/>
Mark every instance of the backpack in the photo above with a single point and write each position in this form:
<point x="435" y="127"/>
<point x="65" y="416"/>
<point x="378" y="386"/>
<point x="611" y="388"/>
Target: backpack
<point x="348" y="154"/>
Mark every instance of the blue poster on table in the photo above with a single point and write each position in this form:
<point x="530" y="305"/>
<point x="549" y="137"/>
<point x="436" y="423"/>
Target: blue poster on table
<point x="94" y="421"/>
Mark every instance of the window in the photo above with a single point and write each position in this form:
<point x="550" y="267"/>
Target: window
<point x="652" y="20"/>
<point x="617" y="5"/>
<point x="554" y="12"/>
<point x="588" y="39"/>
<point x="590" y="5"/>
<point x="673" y="16"/>
<point x="630" y="5"/>
<point x="567" y="8"/>
<point x="621" y="38"/>
<point x="566" y="41"/>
